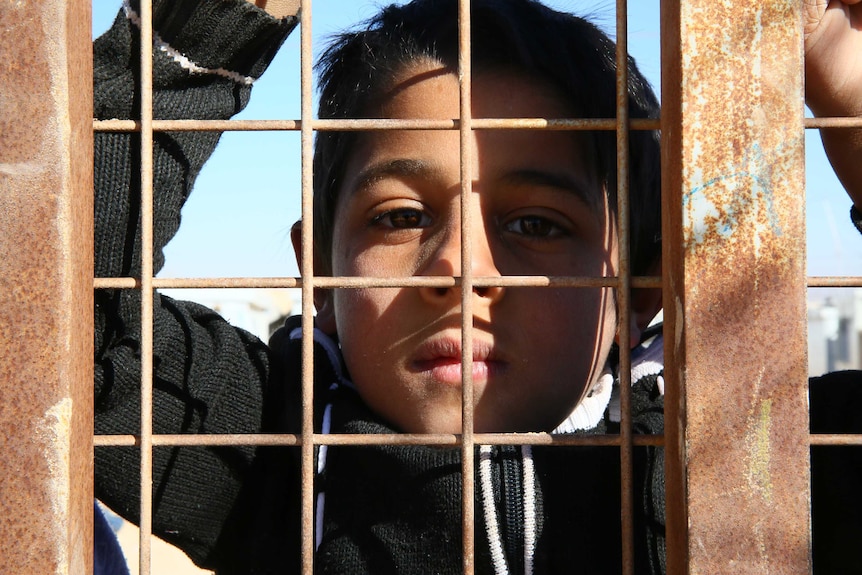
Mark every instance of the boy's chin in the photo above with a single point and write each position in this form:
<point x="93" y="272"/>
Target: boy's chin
<point x="436" y="425"/>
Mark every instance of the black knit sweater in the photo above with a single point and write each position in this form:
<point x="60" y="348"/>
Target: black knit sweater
<point x="384" y="509"/>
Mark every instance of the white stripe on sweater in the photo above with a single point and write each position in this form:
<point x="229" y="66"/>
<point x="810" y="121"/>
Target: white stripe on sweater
<point x="489" y="507"/>
<point x="530" y="526"/>
<point x="492" y="525"/>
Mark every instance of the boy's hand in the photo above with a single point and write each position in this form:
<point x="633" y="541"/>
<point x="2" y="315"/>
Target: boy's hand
<point x="833" y="81"/>
<point x="278" y="8"/>
<point x="833" y="56"/>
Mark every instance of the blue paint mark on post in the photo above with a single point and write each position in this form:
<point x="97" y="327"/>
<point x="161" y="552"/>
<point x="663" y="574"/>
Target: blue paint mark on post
<point x="743" y="193"/>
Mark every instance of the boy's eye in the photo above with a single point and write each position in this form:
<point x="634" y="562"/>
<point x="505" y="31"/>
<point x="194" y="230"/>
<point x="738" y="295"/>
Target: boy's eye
<point x="403" y="218"/>
<point x="533" y="226"/>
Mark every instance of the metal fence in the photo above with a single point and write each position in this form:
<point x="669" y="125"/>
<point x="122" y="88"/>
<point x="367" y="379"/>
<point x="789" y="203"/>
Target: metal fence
<point x="737" y="498"/>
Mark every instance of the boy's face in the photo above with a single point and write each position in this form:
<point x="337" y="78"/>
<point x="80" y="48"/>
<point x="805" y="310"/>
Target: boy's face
<point x="535" y="211"/>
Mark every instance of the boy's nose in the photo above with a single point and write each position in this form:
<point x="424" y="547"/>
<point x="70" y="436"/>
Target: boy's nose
<point x="446" y="261"/>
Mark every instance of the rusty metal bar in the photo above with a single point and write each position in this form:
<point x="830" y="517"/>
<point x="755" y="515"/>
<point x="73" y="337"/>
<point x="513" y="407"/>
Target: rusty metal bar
<point x="734" y="256"/>
<point x="307" y="272"/>
<point x="589" y="124"/>
<point x="673" y="272"/>
<point x="465" y="127"/>
<point x="147" y="293"/>
<point x="623" y="292"/>
<point x="345" y="125"/>
<point x="381" y="439"/>
<point x="46" y="269"/>
<point x="835" y="439"/>
<point x="367" y="282"/>
<point x="830" y="281"/>
<point x="395" y="124"/>
<point x="825" y="122"/>
<point x="424" y="281"/>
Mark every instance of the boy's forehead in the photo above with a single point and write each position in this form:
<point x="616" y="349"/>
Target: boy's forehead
<point x="426" y="79"/>
<point x="421" y="90"/>
<point x="428" y="90"/>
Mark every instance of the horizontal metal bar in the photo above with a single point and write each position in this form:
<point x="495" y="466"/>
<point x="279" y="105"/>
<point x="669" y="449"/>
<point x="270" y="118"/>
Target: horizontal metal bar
<point x="836" y="439"/>
<point x="605" y="124"/>
<point x="284" y="439"/>
<point x="408" y="439"/>
<point x="835" y="281"/>
<point x="193" y="440"/>
<point x="812" y="123"/>
<point x="602" y="124"/>
<point x="367" y="282"/>
<point x="214" y="283"/>
<point x="274" y="439"/>
<point x="419" y="281"/>
<point x="198" y="125"/>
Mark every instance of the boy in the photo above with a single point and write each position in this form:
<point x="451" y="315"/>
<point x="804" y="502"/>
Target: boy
<point x="387" y="204"/>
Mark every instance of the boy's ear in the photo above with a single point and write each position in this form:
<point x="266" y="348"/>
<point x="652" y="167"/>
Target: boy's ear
<point x="646" y="303"/>
<point x="325" y="318"/>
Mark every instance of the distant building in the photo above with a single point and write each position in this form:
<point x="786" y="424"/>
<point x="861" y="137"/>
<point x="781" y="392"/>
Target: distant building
<point x="834" y="332"/>
<point x="258" y="311"/>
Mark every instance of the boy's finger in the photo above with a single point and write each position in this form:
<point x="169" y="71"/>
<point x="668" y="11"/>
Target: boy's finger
<point x="278" y="8"/>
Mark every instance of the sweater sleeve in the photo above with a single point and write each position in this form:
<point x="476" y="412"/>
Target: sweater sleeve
<point x="856" y="218"/>
<point x="208" y="376"/>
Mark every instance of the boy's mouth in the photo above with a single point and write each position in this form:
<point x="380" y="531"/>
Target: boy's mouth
<point x="441" y="359"/>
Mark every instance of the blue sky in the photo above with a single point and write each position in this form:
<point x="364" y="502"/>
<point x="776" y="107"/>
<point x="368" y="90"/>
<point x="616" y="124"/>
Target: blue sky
<point x="237" y="221"/>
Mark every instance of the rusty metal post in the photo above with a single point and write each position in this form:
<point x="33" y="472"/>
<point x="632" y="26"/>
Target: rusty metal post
<point x="735" y="287"/>
<point x="46" y="270"/>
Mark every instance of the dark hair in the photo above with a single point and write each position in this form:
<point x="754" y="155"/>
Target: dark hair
<point x="569" y="53"/>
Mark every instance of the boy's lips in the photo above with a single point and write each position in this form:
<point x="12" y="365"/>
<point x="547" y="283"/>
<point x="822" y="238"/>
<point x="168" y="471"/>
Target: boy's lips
<point x="441" y="358"/>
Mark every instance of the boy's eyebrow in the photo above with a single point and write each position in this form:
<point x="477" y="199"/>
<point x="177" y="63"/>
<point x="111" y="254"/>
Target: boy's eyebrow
<point x="579" y="187"/>
<point x="413" y="168"/>
<point x="396" y="167"/>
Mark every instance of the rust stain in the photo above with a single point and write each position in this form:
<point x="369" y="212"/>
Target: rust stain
<point x="23" y="72"/>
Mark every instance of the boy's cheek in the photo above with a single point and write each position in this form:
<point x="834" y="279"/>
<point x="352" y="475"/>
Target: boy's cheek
<point x="360" y="255"/>
<point x="363" y="309"/>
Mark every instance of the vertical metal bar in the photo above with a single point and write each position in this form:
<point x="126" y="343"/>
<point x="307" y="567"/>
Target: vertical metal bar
<point x="146" y="440"/>
<point x="734" y="278"/>
<point x="466" y="143"/>
<point x="623" y="291"/>
<point x="307" y="271"/>
<point x="673" y="274"/>
<point x="46" y="270"/>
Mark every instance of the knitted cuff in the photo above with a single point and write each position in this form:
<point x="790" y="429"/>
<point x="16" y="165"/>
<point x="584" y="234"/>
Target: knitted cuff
<point x="856" y="218"/>
<point x="230" y="38"/>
